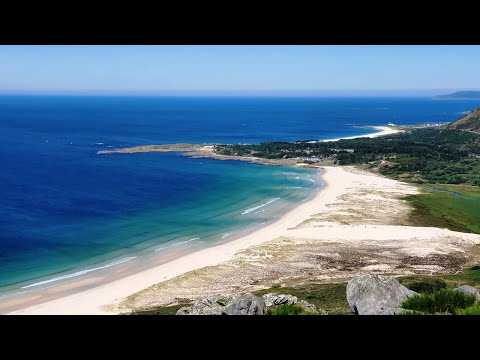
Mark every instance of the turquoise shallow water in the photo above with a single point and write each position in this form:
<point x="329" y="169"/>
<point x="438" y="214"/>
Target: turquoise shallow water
<point x="64" y="210"/>
<point x="228" y="198"/>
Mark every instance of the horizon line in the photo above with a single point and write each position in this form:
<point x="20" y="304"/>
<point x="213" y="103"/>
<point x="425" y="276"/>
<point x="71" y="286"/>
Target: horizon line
<point x="243" y="92"/>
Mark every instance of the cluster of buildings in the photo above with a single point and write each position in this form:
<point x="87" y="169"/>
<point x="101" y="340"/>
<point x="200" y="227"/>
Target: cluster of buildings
<point x="318" y="159"/>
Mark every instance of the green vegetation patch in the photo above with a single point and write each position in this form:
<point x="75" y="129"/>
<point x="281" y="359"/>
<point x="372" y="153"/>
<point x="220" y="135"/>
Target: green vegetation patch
<point x="471" y="310"/>
<point x="447" y="206"/>
<point x="329" y="297"/>
<point x="443" y="301"/>
<point x="427" y="285"/>
<point x="287" y="309"/>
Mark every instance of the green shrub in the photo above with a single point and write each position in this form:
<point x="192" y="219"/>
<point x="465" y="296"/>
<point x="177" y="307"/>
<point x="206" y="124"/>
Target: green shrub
<point x="412" y="312"/>
<point x="440" y="301"/>
<point x="428" y="286"/>
<point x="287" y="309"/>
<point x="472" y="310"/>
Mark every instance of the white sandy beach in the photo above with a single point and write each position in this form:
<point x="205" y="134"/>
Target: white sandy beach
<point x="310" y="221"/>
<point x="381" y="131"/>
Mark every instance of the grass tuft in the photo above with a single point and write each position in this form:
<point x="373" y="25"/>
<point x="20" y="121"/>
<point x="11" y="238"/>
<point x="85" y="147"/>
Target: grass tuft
<point x="428" y="286"/>
<point x="440" y="301"/>
<point x="287" y="309"/>
<point x="471" y="310"/>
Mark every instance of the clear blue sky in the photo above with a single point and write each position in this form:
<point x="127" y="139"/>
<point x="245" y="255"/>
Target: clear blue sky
<point x="167" y="69"/>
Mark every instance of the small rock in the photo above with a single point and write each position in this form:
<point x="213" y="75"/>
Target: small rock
<point x="211" y="305"/>
<point x="376" y="295"/>
<point x="391" y="311"/>
<point x="469" y="290"/>
<point x="186" y="310"/>
<point x="247" y="304"/>
<point x="279" y="299"/>
<point x="206" y="307"/>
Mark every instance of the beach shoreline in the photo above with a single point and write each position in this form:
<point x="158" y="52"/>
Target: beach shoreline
<point x="381" y="131"/>
<point x="313" y="223"/>
<point x="94" y="300"/>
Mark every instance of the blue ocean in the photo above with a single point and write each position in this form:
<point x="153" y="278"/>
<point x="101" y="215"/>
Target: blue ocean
<point x="66" y="211"/>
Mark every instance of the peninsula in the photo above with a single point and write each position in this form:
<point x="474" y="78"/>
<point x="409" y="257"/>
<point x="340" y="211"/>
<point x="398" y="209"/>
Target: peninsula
<point x="459" y="95"/>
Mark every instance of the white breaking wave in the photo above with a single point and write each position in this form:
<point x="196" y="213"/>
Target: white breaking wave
<point x="224" y="236"/>
<point x="24" y="292"/>
<point x="14" y="294"/>
<point x="180" y="243"/>
<point x="99" y="143"/>
<point x="78" y="273"/>
<point x="259" y="206"/>
<point x="311" y="180"/>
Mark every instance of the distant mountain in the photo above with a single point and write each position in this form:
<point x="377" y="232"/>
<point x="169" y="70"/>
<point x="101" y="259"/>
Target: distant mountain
<point x="470" y="122"/>
<point x="460" y="95"/>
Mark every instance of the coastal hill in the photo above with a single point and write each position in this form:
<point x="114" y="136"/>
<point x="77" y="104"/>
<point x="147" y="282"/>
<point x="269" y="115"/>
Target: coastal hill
<point x="470" y="122"/>
<point x="459" y="95"/>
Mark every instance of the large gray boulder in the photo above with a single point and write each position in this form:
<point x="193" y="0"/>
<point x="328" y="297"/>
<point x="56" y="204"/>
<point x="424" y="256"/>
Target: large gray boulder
<point x="247" y="304"/>
<point x="469" y="290"/>
<point x="279" y="299"/>
<point x="376" y="295"/>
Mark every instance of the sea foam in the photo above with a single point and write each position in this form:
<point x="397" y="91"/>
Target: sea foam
<point x="177" y="244"/>
<point x="78" y="273"/>
<point x="259" y="206"/>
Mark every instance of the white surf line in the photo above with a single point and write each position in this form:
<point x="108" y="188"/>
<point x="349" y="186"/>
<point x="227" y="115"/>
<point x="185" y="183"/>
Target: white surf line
<point x="258" y="212"/>
<point x="78" y="273"/>
<point x="15" y="294"/>
<point x="259" y="206"/>
<point x="25" y="292"/>
<point x="310" y="180"/>
<point x="228" y="234"/>
<point x="180" y="243"/>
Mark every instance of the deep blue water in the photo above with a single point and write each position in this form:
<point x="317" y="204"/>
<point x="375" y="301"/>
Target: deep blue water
<point x="63" y="207"/>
